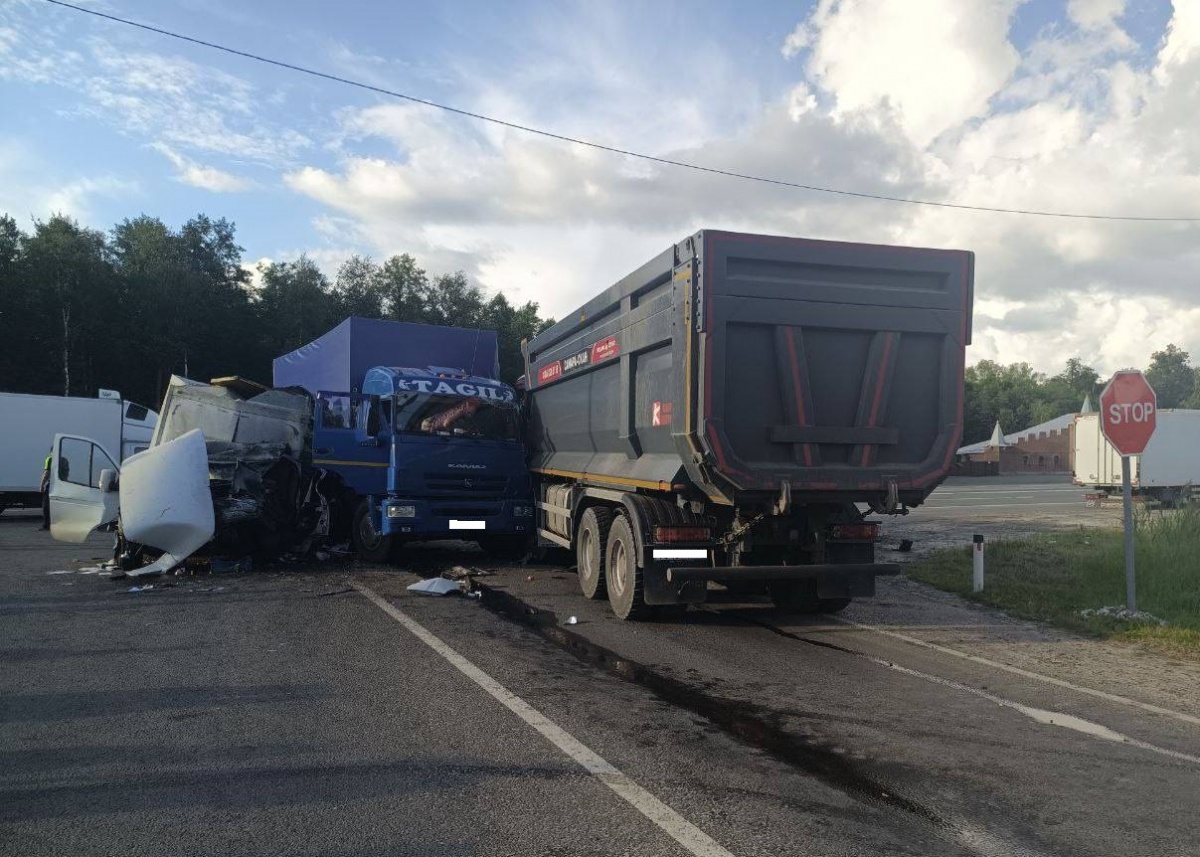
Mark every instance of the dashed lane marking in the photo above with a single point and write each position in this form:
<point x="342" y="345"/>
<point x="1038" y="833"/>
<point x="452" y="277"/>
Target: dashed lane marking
<point x="1089" y="691"/>
<point x="692" y="838"/>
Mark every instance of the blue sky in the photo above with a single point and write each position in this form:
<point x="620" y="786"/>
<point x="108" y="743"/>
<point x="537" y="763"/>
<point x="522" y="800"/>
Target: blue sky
<point x="1074" y="105"/>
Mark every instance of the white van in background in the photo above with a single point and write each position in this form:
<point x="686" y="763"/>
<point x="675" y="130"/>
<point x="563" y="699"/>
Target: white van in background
<point x="28" y="424"/>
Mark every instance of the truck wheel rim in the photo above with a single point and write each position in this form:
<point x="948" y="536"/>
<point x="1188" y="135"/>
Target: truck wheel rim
<point x="367" y="534"/>
<point x="588" y="544"/>
<point x="617" y="563"/>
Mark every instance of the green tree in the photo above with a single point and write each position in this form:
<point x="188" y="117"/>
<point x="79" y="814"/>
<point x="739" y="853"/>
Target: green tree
<point x="1064" y="393"/>
<point x="295" y="305"/>
<point x="1008" y="394"/>
<point x="452" y="300"/>
<point x="15" y="315"/>
<point x="185" y="293"/>
<point x="1193" y="401"/>
<point x="359" y="289"/>
<point x="1171" y="376"/>
<point x="513" y="325"/>
<point x="404" y="288"/>
<point x="69" y="270"/>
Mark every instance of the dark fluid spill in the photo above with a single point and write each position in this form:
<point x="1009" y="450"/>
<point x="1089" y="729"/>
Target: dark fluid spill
<point x="745" y="721"/>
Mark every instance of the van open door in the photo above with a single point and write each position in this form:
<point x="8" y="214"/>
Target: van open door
<point x="83" y="488"/>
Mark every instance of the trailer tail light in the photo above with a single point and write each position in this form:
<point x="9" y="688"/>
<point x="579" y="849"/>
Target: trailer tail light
<point x="865" y="532"/>
<point x="671" y="535"/>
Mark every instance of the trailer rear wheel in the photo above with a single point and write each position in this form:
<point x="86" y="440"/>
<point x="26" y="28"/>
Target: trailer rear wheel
<point x="623" y="578"/>
<point x="591" y="542"/>
<point x="370" y="544"/>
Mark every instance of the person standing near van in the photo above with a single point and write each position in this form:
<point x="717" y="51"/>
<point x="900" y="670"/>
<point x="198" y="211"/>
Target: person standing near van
<point x="46" y="493"/>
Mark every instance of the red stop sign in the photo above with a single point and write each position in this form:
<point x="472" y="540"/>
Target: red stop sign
<point x="1128" y="412"/>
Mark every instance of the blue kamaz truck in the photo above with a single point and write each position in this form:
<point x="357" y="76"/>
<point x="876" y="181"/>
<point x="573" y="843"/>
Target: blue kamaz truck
<point x="425" y="438"/>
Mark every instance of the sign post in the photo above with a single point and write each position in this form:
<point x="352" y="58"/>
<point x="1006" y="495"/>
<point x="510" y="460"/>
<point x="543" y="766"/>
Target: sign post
<point x="1128" y="415"/>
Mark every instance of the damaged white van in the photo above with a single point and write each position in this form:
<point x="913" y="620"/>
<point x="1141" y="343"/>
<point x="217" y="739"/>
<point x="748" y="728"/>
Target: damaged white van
<point x="228" y="469"/>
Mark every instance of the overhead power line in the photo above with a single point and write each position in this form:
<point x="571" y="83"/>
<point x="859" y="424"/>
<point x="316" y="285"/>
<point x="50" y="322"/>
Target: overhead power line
<point x="670" y="162"/>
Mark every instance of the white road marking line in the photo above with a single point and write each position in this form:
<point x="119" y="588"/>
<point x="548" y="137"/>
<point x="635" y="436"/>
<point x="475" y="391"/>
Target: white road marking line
<point x="1048" y="718"/>
<point x="978" y="492"/>
<point x="1016" y="507"/>
<point x="672" y="823"/>
<point x="1099" y="694"/>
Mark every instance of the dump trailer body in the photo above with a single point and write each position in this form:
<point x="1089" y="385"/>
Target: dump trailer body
<point x="718" y="414"/>
<point x="1167" y="469"/>
<point x="737" y="364"/>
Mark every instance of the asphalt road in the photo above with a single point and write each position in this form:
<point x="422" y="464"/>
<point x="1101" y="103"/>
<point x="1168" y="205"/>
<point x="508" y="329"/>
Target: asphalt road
<point x="307" y="710"/>
<point x="1020" y="494"/>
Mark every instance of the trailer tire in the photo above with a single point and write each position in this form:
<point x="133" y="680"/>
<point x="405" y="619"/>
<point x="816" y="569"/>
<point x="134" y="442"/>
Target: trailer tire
<point x="369" y="545"/>
<point x="591" y="549"/>
<point x="623" y="579"/>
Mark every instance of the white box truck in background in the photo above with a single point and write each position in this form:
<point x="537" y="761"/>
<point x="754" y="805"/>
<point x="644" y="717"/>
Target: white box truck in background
<point x="1168" y="470"/>
<point x="28" y="424"/>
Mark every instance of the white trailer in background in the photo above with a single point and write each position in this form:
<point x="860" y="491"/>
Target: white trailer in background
<point x="1168" y="470"/>
<point x="28" y="424"/>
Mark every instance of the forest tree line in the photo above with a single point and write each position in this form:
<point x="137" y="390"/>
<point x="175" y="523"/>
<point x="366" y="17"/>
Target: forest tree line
<point x="82" y="309"/>
<point x="1018" y="397"/>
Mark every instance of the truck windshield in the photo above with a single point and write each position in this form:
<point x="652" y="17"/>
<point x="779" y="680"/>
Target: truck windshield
<point x="456" y="416"/>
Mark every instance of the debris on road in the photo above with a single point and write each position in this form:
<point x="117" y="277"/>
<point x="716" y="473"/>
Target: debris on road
<point x="145" y="588"/>
<point x="219" y="565"/>
<point x="572" y="620"/>
<point x="434" y="586"/>
<point x="343" y="591"/>
<point x="462" y="572"/>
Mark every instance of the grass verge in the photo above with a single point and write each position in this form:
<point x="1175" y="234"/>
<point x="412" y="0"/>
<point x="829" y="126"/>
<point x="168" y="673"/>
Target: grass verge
<point x="1055" y="576"/>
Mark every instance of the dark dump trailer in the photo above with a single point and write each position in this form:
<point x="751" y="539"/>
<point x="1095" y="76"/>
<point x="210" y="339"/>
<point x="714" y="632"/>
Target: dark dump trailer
<point x="734" y="409"/>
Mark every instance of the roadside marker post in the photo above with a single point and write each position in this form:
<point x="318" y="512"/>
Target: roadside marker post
<point x="977" y="553"/>
<point x="1128" y="416"/>
<point x="1127" y="497"/>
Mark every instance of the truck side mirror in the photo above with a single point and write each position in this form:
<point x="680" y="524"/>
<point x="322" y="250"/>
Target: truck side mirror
<point x="373" y="416"/>
<point x="108" y="480"/>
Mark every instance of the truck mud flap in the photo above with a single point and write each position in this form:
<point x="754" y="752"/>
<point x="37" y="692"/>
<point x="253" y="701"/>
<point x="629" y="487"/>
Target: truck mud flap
<point x="659" y="590"/>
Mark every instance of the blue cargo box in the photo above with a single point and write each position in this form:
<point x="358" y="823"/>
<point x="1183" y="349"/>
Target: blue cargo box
<point x="339" y="360"/>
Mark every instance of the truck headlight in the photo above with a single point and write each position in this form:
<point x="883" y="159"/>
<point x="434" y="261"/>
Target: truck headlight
<point x="402" y="511"/>
<point x="522" y="511"/>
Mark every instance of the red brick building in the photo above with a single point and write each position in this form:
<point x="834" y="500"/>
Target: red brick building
<point x="1044" y="448"/>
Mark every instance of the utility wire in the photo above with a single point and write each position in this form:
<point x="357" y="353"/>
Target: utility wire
<point x="602" y="147"/>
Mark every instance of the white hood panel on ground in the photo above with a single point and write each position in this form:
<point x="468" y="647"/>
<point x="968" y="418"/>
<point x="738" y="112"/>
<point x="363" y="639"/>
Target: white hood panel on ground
<point x="165" y="499"/>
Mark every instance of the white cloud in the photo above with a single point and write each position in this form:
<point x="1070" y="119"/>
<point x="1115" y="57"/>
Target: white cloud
<point x="1108" y="329"/>
<point x="198" y="175"/>
<point x="1095" y="14"/>
<point x="190" y="106"/>
<point x="1183" y="36"/>
<point x="32" y="188"/>
<point x="933" y="63"/>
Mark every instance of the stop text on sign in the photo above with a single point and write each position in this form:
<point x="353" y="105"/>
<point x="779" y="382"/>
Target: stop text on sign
<point x="1120" y="413"/>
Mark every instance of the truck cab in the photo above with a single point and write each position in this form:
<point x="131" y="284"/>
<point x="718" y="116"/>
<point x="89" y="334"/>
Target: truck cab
<point x="432" y="454"/>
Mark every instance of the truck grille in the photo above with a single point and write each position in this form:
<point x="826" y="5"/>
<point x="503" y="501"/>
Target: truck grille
<point x="464" y="511"/>
<point x="467" y="483"/>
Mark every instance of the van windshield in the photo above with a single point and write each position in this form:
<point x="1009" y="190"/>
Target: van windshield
<point x="455" y="416"/>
